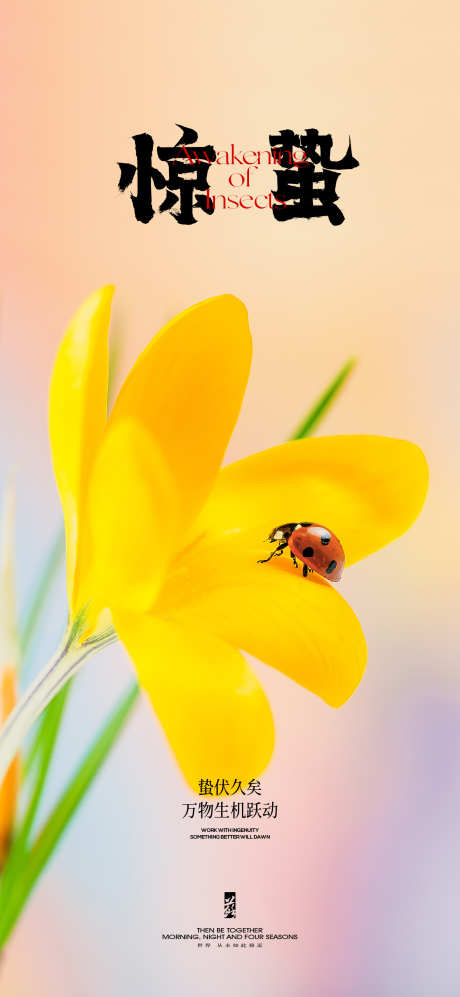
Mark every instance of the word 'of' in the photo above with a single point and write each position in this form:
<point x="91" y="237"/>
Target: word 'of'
<point x="302" y="190"/>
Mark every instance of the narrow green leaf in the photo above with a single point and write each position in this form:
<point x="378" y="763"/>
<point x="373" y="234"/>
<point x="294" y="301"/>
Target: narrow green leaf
<point x="40" y="754"/>
<point x="41" y="592"/>
<point x="52" y="715"/>
<point x="320" y="407"/>
<point x="63" y="812"/>
<point x="45" y="741"/>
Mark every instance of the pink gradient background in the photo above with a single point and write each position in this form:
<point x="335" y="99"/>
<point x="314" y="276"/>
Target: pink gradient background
<point x="363" y="862"/>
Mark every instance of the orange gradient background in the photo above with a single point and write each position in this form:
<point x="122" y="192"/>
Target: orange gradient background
<point x="363" y="858"/>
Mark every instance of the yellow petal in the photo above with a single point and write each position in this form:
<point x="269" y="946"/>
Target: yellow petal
<point x="132" y="510"/>
<point x="301" y="626"/>
<point x="209" y="701"/>
<point x="78" y="414"/>
<point x="187" y="388"/>
<point x="366" y="489"/>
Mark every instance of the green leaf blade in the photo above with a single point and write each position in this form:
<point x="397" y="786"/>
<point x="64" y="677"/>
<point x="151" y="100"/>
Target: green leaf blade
<point x="41" y="591"/>
<point x="64" y="810"/>
<point x="42" y="749"/>
<point x="321" y="406"/>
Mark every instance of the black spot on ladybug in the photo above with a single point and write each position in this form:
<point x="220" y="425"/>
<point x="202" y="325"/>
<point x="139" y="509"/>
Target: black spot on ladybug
<point x="325" y="537"/>
<point x="308" y="552"/>
<point x="331" y="567"/>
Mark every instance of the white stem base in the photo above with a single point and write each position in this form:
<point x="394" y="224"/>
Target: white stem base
<point x="49" y="682"/>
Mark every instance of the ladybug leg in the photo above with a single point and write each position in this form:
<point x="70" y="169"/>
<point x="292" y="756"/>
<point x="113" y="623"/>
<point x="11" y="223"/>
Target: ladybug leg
<point x="294" y="559"/>
<point x="306" y="570"/>
<point x="275" y="553"/>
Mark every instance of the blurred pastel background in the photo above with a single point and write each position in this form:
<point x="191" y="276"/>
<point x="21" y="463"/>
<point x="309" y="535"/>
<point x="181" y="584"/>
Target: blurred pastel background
<point x="363" y="861"/>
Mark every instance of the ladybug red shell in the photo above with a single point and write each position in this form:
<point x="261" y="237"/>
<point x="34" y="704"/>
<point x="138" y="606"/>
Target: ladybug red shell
<point x="314" y="545"/>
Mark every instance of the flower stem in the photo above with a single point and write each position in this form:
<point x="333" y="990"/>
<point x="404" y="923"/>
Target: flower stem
<point x="63" y="665"/>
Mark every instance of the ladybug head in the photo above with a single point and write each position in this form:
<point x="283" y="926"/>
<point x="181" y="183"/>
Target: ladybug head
<point x="282" y="532"/>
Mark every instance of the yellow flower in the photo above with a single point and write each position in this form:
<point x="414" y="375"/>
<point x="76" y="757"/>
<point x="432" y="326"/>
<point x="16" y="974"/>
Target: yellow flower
<point x="169" y="542"/>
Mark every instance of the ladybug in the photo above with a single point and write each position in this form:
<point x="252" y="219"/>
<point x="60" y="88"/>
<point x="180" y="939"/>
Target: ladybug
<point x="316" y="546"/>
